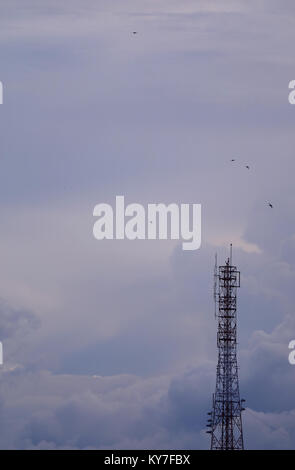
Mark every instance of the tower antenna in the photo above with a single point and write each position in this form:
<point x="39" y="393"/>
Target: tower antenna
<point x="215" y="288"/>
<point x="225" y="419"/>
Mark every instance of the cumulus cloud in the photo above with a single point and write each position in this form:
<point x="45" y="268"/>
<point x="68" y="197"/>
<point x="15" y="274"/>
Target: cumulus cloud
<point x="40" y="410"/>
<point x="270" y="431"/>
<point x="15" y="322"/>
<point x="268" y="381"/>
<point x="99" y="412"/>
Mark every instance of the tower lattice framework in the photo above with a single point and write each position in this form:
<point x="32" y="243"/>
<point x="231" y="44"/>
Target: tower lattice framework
<point x="225" y="419"/>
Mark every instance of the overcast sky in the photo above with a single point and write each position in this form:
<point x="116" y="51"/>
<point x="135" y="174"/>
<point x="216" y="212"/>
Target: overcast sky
<point x="112" y="344"/>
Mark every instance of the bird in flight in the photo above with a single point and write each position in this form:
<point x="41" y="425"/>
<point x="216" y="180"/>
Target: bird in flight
<point x="270" y="205"/>
<point x="233" y="160"/>
<point x="134" y="32"/>
<point x="247" y="166"/>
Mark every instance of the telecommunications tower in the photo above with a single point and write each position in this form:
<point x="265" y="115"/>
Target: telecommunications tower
<point x="225" y="419"/>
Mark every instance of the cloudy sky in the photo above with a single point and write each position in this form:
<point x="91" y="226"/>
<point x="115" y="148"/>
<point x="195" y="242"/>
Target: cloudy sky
<point x="112" y="344"/>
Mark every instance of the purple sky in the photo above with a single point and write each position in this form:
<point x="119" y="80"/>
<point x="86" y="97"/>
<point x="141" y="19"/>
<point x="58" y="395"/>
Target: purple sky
<point x="113" y="344"/>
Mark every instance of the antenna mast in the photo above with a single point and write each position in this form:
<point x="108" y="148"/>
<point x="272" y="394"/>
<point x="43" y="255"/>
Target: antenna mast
<point x="215" y="292"/>
<point x="225" y="419"/>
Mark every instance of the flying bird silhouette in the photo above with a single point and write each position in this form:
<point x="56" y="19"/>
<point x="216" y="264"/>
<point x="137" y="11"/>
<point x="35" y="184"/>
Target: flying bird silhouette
<point x="270" y="205"/>
<point x="233" y="160"/>
<point x="247" y="166"/>
<point x="134" y="32"/>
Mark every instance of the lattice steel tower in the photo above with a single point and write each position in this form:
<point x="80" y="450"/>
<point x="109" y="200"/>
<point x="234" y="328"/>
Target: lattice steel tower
<point x="225" y="419"/>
